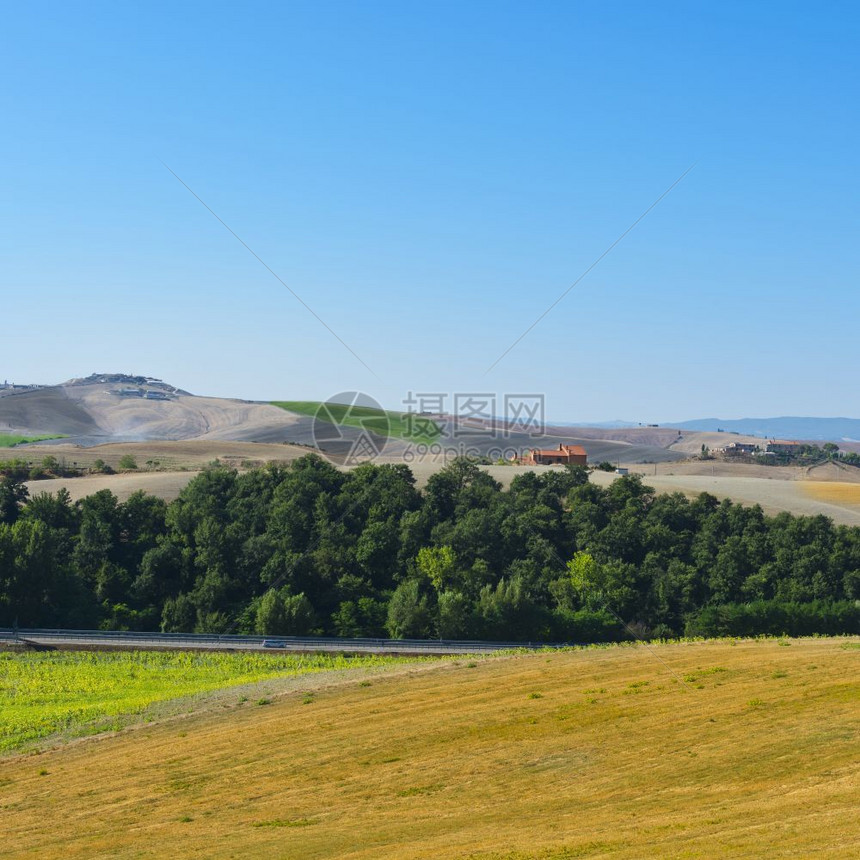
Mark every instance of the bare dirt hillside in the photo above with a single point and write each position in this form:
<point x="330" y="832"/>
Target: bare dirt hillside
<point x="44" y="410"/>
<point x="678" y="443"/>
<point x="833" y="471"/>
<point x="683" y="442"/>
<point x="627" y="445"/>
<point x="652" y="437"/>
<point x="93" y="413"/>
<point x="185" y="417"/>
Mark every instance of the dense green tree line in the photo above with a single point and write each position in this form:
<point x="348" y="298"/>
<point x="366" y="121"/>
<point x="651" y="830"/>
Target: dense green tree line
<point x="306" y="548"/>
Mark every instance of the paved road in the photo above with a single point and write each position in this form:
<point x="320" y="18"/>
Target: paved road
<point x="93" y="639"/>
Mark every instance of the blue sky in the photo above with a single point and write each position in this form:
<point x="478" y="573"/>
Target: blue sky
<point x="429" y="178"/>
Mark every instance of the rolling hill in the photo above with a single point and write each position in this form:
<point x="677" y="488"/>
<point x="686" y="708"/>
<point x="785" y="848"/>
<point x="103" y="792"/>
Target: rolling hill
<point x="734" y="749"/>
<point x="115" y="408"/>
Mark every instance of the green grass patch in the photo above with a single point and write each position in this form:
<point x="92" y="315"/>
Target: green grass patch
<point x="10" y="440"/>
<point x="82" y="692"/>
<point x="418" y="790"/>
<point x="395" y="425"/>
<point x="285" y="822"/>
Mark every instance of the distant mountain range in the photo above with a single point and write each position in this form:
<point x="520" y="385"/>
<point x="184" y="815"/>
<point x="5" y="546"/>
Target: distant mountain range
<point x="787" y="427"/>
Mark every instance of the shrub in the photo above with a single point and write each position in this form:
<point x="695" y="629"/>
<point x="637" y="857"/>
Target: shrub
<point x="99" y="467"/>
<point x="586" y="626"/>
<point x="772" y="618"/>
<point x="408" y="612"/>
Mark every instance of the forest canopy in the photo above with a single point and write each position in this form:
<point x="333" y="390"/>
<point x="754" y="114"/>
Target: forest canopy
<point x="309" y="549"/>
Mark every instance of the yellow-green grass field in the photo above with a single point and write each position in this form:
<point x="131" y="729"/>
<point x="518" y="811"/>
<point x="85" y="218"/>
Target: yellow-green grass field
<point x="86" y="692"/>
<point x="385" y="423"/>
<point x="714" y="749"/>
<point x="10" y="440"/>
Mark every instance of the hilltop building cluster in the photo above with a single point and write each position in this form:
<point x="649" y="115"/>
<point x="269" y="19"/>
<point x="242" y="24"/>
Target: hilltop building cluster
<point x="772" y="448"/>
<point x="146" y="394"/>
<point x="144" y="387"/>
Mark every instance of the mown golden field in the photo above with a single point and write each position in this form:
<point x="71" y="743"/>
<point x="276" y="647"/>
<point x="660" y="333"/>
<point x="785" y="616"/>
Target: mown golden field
<point x="716" y="749"/>
<point x="832" y="492"/>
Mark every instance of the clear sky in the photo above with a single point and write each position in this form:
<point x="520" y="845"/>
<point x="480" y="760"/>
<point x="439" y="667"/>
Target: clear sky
<point x="429" y="178"/>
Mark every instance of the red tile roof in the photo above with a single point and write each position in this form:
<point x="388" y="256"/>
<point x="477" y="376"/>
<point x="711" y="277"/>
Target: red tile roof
<point x="561" y="451"/>
<point x="575" y="449"/>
